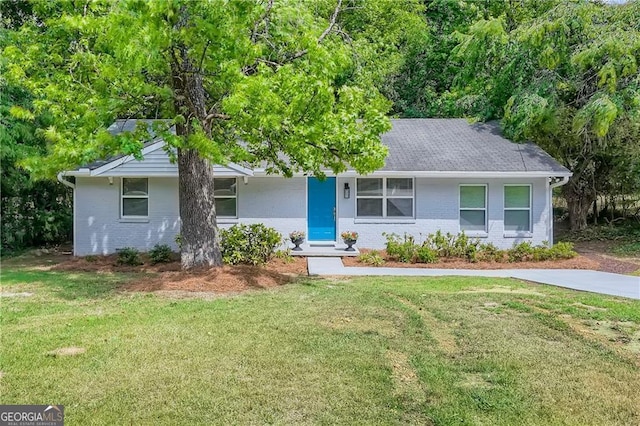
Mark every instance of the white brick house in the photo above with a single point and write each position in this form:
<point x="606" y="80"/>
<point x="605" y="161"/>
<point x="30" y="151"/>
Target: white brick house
<point x="440" y="174"/>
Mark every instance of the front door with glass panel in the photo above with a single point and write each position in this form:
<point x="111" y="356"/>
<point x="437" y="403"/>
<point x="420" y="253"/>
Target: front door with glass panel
<point x="321" y="209"/>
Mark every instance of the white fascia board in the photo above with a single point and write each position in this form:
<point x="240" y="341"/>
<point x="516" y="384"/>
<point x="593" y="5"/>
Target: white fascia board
<point x="241" y="171"/>
<point x="434" y="174"/>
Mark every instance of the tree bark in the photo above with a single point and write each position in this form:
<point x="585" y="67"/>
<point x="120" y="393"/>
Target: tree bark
<point x="579" y="201"/>
<point x="199" y="228"/>
<point x="200" y="246"/>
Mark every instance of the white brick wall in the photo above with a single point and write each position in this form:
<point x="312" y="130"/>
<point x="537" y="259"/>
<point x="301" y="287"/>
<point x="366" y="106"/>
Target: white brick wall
<point x="436" y="206"/>
<point x="281" y="203"/>
<point x="99" y="229"/>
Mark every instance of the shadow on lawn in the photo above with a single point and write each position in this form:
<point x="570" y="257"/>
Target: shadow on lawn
<point x="69" y="286"/>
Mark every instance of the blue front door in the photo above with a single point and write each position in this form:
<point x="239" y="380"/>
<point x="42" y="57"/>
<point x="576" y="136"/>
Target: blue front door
<point x="321" y="209"/>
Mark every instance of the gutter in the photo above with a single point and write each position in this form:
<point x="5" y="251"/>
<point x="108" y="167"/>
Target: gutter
<point x="560" y="182"/>
<point x="65" y="182"/>
<point x="554" y="184"/>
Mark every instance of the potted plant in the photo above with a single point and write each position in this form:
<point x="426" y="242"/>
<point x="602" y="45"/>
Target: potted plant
<point x="297" y="238"/>
<point x="349" y="238"/>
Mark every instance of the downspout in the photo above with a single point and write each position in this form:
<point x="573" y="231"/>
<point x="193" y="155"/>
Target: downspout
<point x="71" y="185"/>
<point x="552" y="185"/>
<point x="65" y="182"/>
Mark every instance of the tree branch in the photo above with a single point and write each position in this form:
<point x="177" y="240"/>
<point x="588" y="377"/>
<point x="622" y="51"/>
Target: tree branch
<point x="332" y="23"/>
<point x="252" y="69"/>
<point x="264" y="18"/>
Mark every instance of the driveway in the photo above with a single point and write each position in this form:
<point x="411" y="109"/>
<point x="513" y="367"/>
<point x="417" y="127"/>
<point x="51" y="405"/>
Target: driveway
<point x="576" y="279"/>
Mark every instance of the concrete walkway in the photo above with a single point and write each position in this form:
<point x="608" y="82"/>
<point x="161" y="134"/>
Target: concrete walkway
<point x="576" y="279"/>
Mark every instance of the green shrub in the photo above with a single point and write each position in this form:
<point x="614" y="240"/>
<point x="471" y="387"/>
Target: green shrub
<point x="284" y="255"/>
<point x="129" y="256"/>
<point x="403" y="250"/>
<point x="489" y="252"/>
<point x="372" y="258"/>
<point x="160" y="253"/>
<point x="425" y="254"/>
<point x="521" y="252"/>
<point x="450" y="245"/>
<point x="178" y="240"/>
<point x="562" y="250"/>
<point x="91" y="258"/>
<point x="249" y="244"/>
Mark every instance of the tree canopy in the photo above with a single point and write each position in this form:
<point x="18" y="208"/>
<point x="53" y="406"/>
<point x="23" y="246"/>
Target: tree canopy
<point x="289" y="84"/>
<point x="567" y="79"/>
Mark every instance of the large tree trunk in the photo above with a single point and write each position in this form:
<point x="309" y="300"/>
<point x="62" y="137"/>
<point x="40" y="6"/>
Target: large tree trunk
<point x="199" y="230"/>
<point x="579" y="197"/>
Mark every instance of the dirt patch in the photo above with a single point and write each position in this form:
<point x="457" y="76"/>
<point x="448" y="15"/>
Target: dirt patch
<point x="9" y="294"/>
<point x="70" y="351"/>
<point x="228" y="279"/>
<point x="589" y="307"/>
<point x="474" y="381"/>
<point x="624" y="335"/>
<point x="579" y="262"/>
<point x="405" y="379"/>
<point x="598" y="251"/>
<point x="440" y="331"/>
<point x="503" y="289"/>
<point x="384" y="327"/>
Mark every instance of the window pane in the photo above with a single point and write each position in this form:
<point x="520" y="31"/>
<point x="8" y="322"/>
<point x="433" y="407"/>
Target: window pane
<point x="134" y="186"/>
<point x="370" y="207"/>
<point x="399" y="187"/>
<point x="472" y="197"/>
<point x="516" y="196"/>
<point x="226" y="207"/>
<point x="135" y="206"/>
<point x="400" y="207"/>
<point x="472" y="220"/>
<point x="370" y="187"/>
<point x="516" y="220"/>
<point x="224" y="186"/>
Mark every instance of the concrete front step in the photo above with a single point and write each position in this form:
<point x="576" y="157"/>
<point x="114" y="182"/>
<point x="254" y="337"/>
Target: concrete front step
<point x="329" y="250"/>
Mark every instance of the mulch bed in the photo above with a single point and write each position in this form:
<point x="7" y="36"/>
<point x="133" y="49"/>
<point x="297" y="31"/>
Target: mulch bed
<point x="170" y="277"/>
<point x="595" y="250"/>
<point x="579" y="262"/>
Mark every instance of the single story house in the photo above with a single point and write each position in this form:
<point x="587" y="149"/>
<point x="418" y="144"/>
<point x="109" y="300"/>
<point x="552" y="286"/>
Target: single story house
<point x="440" y="174"/>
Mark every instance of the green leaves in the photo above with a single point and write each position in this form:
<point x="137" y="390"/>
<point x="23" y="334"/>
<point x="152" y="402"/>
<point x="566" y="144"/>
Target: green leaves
<point x="276" y="85"/>
<point x="598" y="115"/>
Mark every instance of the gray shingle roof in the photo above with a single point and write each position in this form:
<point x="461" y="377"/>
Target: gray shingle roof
<point x="436" y="145"/>
<point x="450" y="145"/>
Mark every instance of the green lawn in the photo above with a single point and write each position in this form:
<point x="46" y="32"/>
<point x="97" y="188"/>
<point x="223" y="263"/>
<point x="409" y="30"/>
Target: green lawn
<point x="362" y="351"/>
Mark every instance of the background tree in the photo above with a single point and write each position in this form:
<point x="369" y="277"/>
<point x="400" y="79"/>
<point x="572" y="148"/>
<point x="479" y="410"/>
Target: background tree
<point x="32" y="212"/>
<point x="568" y="80"/>
<point x="276" y="82"/>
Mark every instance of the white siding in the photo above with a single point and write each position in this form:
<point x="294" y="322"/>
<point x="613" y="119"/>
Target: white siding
<point x="156" y="162"/>
<point x="281" y="203"/>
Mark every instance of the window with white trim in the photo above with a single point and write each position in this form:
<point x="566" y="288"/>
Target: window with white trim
<point x="134" y="198"/>
<point x="473" y="208"/>
<point x="226" y="197"/>
<point x="384" y="197"/>
<point x="517" y="208"/>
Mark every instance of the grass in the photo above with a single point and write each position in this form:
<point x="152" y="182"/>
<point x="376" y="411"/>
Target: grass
<point x="365" y="351"/>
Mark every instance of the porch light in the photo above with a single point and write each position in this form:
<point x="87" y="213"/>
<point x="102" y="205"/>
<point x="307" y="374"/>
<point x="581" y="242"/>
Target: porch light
<point x="347" y="191"/>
